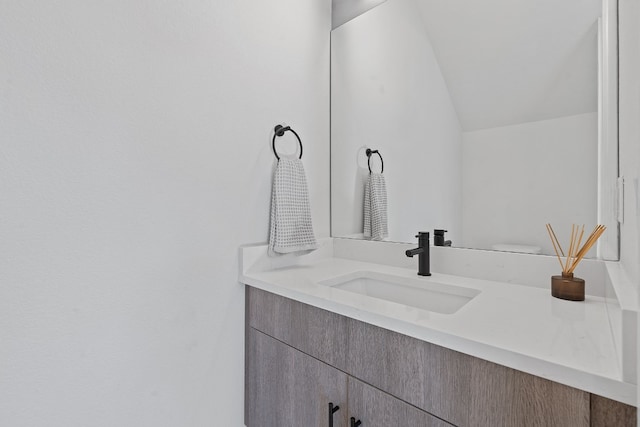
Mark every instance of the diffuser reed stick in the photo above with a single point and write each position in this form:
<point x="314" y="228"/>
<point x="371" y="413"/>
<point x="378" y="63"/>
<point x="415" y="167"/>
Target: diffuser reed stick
<point x="593" y="238"/>
<point x="576" y="252"/>
<point x="556" y="244"/>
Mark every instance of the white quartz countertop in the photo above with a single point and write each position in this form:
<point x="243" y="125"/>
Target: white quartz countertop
<point x="521" y="327"/>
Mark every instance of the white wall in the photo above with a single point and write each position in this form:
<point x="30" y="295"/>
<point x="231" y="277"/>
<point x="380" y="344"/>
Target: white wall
<point x="518" y="178"/>
<point x="388" y="93"/>
<point x="134" y="159"/>
<point x="629" y="134"/>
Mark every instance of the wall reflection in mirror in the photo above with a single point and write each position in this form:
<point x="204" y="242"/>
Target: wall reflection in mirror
<point x="486" y="114"/>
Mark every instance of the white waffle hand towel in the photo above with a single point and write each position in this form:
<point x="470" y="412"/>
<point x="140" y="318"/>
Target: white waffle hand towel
<point x="375" y="207"/>
<point x="291" y="228"/>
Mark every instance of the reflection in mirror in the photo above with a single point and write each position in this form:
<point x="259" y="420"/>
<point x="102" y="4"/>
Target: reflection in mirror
<point x="486" y="114"/>
<point x="345" y="10"/>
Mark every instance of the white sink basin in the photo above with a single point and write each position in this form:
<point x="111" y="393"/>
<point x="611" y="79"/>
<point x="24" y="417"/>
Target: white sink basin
<point x="421" y="293"/>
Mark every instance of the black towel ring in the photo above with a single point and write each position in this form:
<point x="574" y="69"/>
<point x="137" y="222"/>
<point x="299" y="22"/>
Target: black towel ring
<point x="369" y="153"/>
<point x="279" y="131"/>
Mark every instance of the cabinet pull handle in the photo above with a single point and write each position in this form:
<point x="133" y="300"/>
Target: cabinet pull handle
<point x="332" y="410"/>
<point x="355" y="423"/>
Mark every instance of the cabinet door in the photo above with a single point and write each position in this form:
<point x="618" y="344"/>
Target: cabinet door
<point x="289" y="388"/>
<point x="606" y="412"/>
<point x="432" y="378"/>
<point x="376" y="408"/>
<point x="502" y="396"/>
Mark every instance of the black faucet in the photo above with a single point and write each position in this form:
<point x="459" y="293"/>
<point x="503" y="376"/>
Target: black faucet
<point x="423" y="253"/>
<point x="438" y="238"/>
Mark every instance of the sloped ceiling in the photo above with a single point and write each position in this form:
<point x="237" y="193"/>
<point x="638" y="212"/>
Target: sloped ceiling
<point x="345" y="10"/>
<point x="516" y="61"/>
<point x="511" y="61"/>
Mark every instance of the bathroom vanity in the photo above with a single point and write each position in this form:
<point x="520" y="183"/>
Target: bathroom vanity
<point x="501" y="354"/>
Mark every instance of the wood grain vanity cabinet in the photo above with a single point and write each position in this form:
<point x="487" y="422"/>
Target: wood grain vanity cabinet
<point x="289" y="388"/>
<point x="300" y="358"/>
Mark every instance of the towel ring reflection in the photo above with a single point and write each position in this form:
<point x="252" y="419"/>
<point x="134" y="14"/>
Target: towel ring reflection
<point x="369" y="153"/>
<point x="279" y="131"/>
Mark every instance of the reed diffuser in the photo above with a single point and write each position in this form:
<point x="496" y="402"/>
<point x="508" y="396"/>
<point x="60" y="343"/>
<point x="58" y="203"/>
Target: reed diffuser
<point x="567" y="286"/>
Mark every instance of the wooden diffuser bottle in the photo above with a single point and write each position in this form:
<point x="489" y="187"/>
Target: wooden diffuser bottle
<point x="566" y="286"/>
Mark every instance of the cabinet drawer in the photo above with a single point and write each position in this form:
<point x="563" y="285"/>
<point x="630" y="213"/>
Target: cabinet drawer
<point x="314" y="331"/>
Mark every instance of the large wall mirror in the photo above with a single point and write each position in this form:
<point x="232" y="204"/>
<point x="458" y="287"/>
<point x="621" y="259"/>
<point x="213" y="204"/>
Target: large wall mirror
<point x="493" y="118"/>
